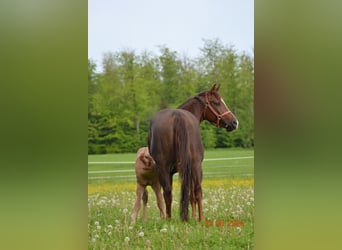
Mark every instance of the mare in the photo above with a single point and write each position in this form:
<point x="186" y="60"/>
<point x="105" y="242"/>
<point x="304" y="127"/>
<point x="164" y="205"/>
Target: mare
<point x="175" y="144"/>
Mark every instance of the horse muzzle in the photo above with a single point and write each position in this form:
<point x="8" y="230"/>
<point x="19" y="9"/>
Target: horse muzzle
<point x="232" y="125"/>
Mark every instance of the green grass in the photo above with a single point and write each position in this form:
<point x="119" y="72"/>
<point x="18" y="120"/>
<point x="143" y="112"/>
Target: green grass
<point x="213" y="153"/>
<point x="228" y="196"/>
<point x="211" y="169"/>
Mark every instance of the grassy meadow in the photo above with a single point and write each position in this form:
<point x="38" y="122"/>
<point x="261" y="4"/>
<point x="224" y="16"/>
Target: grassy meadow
<point x="228" y="204"/>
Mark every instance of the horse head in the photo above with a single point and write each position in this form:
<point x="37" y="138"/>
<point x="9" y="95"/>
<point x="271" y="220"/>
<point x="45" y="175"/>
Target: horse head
<point x="216" y="110"/>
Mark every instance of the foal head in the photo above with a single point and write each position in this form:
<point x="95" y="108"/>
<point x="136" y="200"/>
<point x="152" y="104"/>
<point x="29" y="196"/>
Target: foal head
<point x="147" y="159"/>
<point x="216" y="110"/>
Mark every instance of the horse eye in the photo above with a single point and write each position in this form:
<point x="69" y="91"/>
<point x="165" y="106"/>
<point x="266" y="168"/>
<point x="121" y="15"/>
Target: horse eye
<point x="217" y="103"/>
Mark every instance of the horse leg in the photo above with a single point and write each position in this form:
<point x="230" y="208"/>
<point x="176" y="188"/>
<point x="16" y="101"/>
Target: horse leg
<point x="198" y="194"/>
<point x="193" y="200"/>
<point x="156" y="188"/>
<point x="198" y="200"/>
<point x="199" y="203"/>
<point x="137" y="203"/>
<point x="166" y="183"/>
<point x="145" y="199"/>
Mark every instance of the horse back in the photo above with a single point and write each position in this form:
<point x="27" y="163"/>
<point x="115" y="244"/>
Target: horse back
<point x="168" y="129"/>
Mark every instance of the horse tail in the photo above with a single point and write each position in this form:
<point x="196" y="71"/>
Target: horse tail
<point x="183" y="157"/>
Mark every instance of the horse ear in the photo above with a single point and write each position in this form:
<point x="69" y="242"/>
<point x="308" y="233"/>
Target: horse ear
<point x="215" y="87"/>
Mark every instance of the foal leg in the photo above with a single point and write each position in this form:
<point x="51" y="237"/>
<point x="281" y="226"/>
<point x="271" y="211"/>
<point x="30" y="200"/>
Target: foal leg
<point x="137" y="205"/>
<point x="156" y="188"/>
<point x="145" y="199"/>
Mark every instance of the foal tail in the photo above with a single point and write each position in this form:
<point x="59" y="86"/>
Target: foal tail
<point x="183" y="157"/>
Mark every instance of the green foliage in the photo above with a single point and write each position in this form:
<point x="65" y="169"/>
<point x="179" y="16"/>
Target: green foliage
<point x="131" y="88"/>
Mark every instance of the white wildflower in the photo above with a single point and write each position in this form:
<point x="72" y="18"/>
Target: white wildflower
<point x="110" y="227"/>
<point x="96" y="223"/>
<point x="141" y="234"/>
<point x="126" y="239"/>
<point x="163" y="230"/>
<point x="125" y="210"/>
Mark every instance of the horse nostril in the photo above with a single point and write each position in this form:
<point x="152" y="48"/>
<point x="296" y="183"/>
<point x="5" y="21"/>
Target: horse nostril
<point x="235" y="123"/>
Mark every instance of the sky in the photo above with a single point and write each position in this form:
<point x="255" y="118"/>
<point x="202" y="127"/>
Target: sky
<point x="181" y="25"/>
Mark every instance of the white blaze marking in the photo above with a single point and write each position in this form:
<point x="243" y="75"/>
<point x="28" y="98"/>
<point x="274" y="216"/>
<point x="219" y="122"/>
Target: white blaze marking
<point x="224" y="103"/>
<point x="237" y="122"/>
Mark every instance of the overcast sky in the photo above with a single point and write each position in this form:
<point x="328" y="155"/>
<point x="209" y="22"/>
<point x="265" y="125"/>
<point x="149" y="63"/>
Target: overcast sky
<point x="181" y="25"/>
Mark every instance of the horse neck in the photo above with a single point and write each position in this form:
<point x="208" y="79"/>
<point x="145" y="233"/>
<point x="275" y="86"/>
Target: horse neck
<point x="194" y="107"/>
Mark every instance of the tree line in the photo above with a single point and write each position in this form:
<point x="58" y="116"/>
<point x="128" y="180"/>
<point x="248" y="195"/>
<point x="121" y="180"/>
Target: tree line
<point x="132" y="87"/>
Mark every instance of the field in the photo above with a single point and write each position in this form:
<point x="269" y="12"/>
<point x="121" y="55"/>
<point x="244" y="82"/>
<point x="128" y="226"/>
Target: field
<point x="228" y="203"/>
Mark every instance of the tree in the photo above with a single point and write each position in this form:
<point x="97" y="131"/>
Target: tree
<point x="133" y="87"/>
<point x="170" y="71"/>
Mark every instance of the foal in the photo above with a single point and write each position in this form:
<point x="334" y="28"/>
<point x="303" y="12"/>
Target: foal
<point x="146" y="173"/>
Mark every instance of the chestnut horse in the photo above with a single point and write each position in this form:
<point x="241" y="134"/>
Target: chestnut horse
<point x="175" y="144"/>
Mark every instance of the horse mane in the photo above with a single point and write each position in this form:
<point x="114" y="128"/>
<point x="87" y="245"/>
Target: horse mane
<point x="190" y="100"/>
<point x="191" y="104"/>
